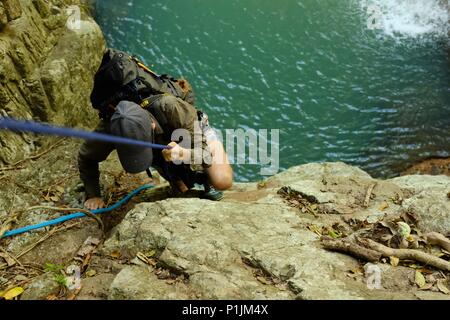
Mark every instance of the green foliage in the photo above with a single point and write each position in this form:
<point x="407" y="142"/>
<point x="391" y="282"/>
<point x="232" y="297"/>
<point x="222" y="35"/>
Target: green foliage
<point x="57" y="270"/>
<point x="50" y="267"/>
<point x="61" y="280"/>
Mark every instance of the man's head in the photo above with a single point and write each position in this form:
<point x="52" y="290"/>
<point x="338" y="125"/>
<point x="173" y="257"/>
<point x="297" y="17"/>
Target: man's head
<point x="133" y="122"/>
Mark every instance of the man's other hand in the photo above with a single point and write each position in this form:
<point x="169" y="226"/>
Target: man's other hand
<point x="94" y="204"/>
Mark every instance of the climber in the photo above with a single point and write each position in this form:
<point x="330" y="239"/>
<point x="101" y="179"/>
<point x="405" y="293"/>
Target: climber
<point x="136" y="103"/>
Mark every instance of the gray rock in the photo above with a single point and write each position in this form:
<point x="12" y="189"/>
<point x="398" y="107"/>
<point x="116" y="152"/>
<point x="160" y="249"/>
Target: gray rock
<point x="429" y="200"/>
<point x="220" y="245"/>
<point x="137" y="283"/>
<point x="41" y="287"/>
<point x="45" y="69"/>
<point x="3" y="16"/>
<point x="254" y="246"/>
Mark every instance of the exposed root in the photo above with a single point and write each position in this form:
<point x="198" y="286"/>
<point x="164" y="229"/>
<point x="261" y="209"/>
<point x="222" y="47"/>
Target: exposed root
<point x="406" y="254"/>
<point x="353" y="249"/>
<point x="372" y="251"/>
<point x="435" y="238"/>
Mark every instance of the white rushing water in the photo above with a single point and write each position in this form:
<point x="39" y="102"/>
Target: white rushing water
<point x="408" y="18"/>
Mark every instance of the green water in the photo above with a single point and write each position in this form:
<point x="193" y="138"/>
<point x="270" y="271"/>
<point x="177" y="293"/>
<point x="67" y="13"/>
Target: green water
<point x="311" y="68"/>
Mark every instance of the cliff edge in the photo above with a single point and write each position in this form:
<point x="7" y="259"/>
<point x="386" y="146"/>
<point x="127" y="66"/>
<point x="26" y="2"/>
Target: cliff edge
<point x="49" y="52"/>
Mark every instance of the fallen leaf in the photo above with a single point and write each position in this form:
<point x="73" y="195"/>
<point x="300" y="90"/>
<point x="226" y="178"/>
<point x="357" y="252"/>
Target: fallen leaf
<point x="404" y="229"/>
<point x="428" y="286"/>
<point x="263" y="280"/>
<point x="54" y="198"/>
<point x="142" y="257"/>
<point x="333" y="234"/>
<point x="383" y="206"/>
<point x="52" y="297"/>
<point x="420" y="279"/>
<point x="394" y="261"/>
<point x="115" y="254"/>
<point x="59" y="189"/>
<point x="13" y="293"/>
<point x="91" y="273"/>
<point x="150" y="253"/>
<point x="443" y="286"/>
<point x="9" y="261"/>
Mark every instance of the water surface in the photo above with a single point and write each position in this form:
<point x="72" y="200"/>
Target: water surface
<point x="336" y="89"/>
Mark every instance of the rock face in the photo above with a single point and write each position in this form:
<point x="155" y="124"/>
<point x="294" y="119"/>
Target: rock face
<point x="47" y="61"/>
<point x="253" y="245"/>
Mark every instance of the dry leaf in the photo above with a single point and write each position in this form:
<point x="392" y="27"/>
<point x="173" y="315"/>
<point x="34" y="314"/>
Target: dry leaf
<point x="91" y="273"/>
<point x="442" y="286"/>
<point x="383" y="206"/>
<point x="59" y="189"/>
<point x="263" y="280"/>
<point x="9" y="261"/>
<point x="394" y="261"/>
<point x="52" y="297"/>
<point x="115" y="254"/>
<point x="428" y="286"/>
<point x="13" y="293"/>
<point x="420" y="279"/>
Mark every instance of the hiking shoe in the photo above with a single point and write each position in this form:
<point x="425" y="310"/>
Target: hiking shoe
<point x="212" y="194"/>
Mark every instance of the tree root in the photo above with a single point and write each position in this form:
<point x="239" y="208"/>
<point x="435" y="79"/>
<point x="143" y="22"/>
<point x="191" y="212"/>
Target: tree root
<point x="438" y="239"/>
<point x="352" y="249"/>
<point x="406" y="254"/>
<point x="372" y="251"/>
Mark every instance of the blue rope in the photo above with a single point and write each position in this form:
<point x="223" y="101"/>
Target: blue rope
<point x="76" y="215"/>
<point x="47" y="129"/>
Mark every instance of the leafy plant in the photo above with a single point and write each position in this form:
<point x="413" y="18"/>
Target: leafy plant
<point x="55" y="268"/>
<point x="61" y="280"/>
<point x="58" y="272"/>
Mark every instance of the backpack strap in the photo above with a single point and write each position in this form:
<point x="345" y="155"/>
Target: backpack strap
<point x="160" y="116"/>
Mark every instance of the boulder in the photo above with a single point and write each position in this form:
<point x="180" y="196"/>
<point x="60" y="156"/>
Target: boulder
<point x="46" y="68"/>
<point x="247" y="247"/>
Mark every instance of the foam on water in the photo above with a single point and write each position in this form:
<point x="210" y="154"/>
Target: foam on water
<point x="408" y="18"/>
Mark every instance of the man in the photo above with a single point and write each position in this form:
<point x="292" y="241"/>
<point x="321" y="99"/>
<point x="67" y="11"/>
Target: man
<point x="131" y="120"/>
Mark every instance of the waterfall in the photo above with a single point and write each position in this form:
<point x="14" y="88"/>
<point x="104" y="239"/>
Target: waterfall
<point x="408" y="18"/>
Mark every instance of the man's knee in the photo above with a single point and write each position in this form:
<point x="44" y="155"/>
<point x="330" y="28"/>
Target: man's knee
<point x="222" y="181"/>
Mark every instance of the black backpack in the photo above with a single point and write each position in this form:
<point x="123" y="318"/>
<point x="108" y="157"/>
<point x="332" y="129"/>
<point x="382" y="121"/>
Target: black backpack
<point x="124" y="77"/>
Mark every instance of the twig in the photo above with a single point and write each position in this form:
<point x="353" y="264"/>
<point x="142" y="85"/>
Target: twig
<point x="33" y="157"/>
<point x="11" y="168"/>
<point x="406" y="254"/>
<point x="369" y="194"/>
<point x="345" y="246"/>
